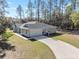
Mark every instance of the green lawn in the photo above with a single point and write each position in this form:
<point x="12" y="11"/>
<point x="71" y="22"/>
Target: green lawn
<point x="28" y="49"/>
<point x="69" y="38"/>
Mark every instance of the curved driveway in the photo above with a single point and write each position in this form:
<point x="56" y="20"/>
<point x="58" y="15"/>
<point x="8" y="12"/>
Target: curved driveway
<point x="61" y="49"/>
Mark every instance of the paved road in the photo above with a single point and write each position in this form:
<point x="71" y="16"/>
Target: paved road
<point x="61" y="49"/>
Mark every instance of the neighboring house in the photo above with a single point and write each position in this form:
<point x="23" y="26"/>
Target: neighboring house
<point x="34" y="29"/>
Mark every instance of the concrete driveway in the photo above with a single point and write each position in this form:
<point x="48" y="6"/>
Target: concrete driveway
<point x="61" y="49"/>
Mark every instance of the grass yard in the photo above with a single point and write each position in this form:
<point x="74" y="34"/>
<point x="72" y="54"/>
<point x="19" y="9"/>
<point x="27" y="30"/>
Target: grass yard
<point x="28" y="49"/>
<point x="69" y="38"/>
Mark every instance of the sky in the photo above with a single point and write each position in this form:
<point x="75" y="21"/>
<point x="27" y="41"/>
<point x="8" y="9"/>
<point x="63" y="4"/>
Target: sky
<point x="13" y="4"/>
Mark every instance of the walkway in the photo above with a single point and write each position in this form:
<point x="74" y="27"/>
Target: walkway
<point x="61" y="49"/>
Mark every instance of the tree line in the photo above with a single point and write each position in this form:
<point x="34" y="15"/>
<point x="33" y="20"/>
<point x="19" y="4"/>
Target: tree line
<point x="54" y="12"/>
<point x="61" y="13"/>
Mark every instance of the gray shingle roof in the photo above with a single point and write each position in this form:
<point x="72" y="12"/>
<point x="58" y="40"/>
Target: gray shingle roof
<point x="35" y="25"/>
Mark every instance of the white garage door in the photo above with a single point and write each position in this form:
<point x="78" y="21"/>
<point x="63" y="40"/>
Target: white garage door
<point x="36" y="32"/>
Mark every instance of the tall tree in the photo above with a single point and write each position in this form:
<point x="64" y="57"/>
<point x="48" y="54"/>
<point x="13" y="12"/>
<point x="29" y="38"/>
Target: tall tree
<point x="62" y="5"/>
<point x="74" y="3"/>
<point x="68" y="10"/>
<point x="30" y="9"/>
<point x="50" y="7"/>
<point x="43" y="11"/>
<point x="3" y="6"/>
<point x="37" y="6"/>
<point x="78" y="6"/>
<point x="55" y="4"/>
<point x="20" y="12"/>
<point x="55" y="10"/>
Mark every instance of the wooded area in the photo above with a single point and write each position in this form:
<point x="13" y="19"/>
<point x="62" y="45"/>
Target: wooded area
<point x="61" y="13"/>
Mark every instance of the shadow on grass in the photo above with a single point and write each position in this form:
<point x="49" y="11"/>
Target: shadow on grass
<point x="55" y="34"/>
<point x="4" y="46"/>
<point x="33" y="40"/>
<point x="42" y="37"/>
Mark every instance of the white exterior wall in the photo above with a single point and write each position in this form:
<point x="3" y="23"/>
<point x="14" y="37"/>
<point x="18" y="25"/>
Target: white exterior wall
<point x="50" y="30"/>
<point x="36" y="32"/>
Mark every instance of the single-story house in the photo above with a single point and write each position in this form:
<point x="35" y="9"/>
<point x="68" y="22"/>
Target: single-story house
<point x="30" y="29"/>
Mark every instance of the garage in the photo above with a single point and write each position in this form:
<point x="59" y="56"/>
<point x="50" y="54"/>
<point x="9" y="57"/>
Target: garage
<point x="36" y="32"/>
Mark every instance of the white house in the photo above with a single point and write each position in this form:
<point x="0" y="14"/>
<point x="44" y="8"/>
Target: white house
<point x="30" y="29"/>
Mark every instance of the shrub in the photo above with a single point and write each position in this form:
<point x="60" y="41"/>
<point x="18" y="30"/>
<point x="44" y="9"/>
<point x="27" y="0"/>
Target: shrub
<point x="75" y="18"/>
<point x="6" y="35"/>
